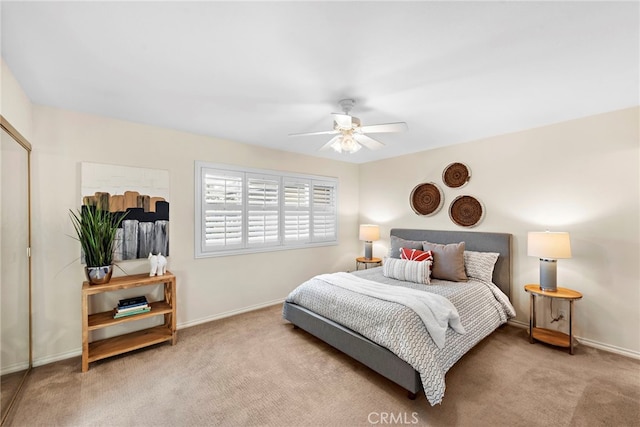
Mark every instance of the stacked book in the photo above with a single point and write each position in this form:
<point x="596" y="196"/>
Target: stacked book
<point x="131" y="306"/>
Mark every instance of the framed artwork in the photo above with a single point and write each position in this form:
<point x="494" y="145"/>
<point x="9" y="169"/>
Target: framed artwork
<point x="143" y="194"/>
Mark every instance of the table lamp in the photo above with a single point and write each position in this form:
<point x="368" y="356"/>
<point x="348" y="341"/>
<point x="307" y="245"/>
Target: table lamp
<point x="549" y="247"/>
<point x="369" y="233"/>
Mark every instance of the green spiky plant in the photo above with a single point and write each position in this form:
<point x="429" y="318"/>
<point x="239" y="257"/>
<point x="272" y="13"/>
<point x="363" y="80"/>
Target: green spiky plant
<point x="96" y="231"/>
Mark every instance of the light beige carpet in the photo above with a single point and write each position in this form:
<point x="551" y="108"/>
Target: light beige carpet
<point x="255" y="369"/>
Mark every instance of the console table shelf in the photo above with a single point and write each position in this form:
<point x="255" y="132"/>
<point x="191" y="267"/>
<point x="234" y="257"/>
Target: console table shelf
<point x="105" y="319"/>
<point x="124" y="343"/>
<point x="96" y="350"/>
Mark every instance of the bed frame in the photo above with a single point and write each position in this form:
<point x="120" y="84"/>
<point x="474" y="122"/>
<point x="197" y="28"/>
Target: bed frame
<point x="377" y="357"/>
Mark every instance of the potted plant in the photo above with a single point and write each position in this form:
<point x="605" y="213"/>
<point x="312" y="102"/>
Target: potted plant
<point x="96" y="230"/>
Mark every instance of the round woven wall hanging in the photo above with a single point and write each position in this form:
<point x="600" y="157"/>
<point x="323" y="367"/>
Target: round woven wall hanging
<point x="466" y="211"/>
<point x="456" y="175"/>
<point x="426" y="199"/>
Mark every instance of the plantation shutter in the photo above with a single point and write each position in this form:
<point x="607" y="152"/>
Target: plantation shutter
<point x="223" y="208"/>
<point x="297" y="210"/>
<point x="263" y="210"/>
<point x="241" y="210"/>
<point x="324" y="211"/>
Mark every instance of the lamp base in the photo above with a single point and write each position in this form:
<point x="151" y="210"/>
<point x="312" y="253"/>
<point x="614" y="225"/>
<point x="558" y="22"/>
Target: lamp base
<point x="548" y="275"/>
<point x="368" y="250"/>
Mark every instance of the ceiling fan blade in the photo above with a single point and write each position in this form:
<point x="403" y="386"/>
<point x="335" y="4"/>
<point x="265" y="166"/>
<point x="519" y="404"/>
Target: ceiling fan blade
<point x="327" y="132"/>
<point x="342" y="120"/>
<point x="385" y="128"/>
<point x="328" y="144"/>
<point x="368" y="142"/>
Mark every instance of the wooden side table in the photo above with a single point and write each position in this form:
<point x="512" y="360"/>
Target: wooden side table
<point x="549" y="336"/>
<point x="376" y="262"/>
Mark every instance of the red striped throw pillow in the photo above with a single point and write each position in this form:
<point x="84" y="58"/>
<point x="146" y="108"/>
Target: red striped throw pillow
<point x="415" y="254"/>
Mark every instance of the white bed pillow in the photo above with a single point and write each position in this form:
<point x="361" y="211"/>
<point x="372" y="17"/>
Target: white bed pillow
<point x="407" y="270"/>
<point x="479" y="265"/>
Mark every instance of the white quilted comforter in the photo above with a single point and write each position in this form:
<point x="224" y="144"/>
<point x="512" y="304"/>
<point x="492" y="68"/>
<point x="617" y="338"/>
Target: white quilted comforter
<point x="482" y="308"/>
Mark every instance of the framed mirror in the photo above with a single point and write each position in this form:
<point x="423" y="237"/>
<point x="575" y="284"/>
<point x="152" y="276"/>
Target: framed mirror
<point x="15" y="265"/>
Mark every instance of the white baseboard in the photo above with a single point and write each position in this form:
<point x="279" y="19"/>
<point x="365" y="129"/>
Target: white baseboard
<point x="56" y="357"/>
<point x="590" y="343"/>
<point x="230" y="313"/>
<point x="16" y="367"/>
<point x="74" y="353"/>
<point x="610" y="348"/>
<point x="516" y="323"/>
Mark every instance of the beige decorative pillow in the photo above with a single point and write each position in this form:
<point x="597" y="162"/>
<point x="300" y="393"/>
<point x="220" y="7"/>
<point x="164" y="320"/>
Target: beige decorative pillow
<point x="479" y="265"/>
<point x="407" y="270"/>
<point x="448" y="261"/>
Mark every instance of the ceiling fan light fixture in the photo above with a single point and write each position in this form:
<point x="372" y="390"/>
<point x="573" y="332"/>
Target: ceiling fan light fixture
<point x="343" y="122"/>
<point x="349" y="134"/>
<point x="346" y="144"/>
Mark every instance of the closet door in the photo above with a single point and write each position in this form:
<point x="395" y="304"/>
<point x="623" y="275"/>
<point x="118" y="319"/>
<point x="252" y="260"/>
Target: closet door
<point x="15" y="301"/>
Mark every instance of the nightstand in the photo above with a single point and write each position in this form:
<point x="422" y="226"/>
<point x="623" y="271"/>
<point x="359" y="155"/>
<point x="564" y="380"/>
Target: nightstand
<point x="549" y="336"/>
<point x="375" y="262"/>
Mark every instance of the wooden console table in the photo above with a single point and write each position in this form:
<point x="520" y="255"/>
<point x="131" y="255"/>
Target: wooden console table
<point x="96" y="350"/>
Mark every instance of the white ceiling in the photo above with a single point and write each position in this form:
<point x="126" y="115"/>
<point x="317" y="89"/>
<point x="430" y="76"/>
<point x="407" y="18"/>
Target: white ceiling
<point x="253" y="72"/>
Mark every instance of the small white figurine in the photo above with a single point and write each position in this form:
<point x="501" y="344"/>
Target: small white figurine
<point x="153" y="264"/>
<point x="162" y="264"/>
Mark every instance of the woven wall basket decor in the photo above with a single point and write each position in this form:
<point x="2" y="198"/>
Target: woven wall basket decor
<point x="426" y="199"/>
<point x="466" y="211"/>
<point x="456" y="175"/>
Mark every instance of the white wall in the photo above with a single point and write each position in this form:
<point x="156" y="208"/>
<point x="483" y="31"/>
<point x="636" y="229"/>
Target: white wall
<point x="14" y="103"/>
<point x="15" y="108"/>
<point x="207" y="288"/>
<point x="580" y="176"/>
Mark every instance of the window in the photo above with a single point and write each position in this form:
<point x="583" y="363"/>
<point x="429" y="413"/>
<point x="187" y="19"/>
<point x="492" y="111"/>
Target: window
<point x="241" y="210"/>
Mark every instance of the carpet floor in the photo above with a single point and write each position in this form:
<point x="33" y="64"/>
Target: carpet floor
<point x="254" y="369"/>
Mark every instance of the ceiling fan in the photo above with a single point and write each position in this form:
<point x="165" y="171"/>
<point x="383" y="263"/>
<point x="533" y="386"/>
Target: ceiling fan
<point x="349" y="133"/>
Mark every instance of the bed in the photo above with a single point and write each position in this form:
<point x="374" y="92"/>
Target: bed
<point x="356" y="325"/>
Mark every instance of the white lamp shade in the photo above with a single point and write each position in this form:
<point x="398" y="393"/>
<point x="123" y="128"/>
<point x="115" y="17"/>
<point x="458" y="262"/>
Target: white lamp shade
<point x="369" y="232"/>
<point x="549" y="245"/>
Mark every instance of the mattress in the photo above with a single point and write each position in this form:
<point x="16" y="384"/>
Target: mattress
<point x="482" y="307"/>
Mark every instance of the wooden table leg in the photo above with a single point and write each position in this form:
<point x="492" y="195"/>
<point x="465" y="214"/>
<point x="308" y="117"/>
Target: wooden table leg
<point x="532" y="316"/>
<point x="85" y="332"/>
<point x="570" y="326"/>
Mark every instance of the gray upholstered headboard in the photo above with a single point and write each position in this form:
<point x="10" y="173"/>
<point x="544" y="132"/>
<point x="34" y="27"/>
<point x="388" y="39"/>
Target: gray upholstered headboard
<point x="474" y="241"/>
